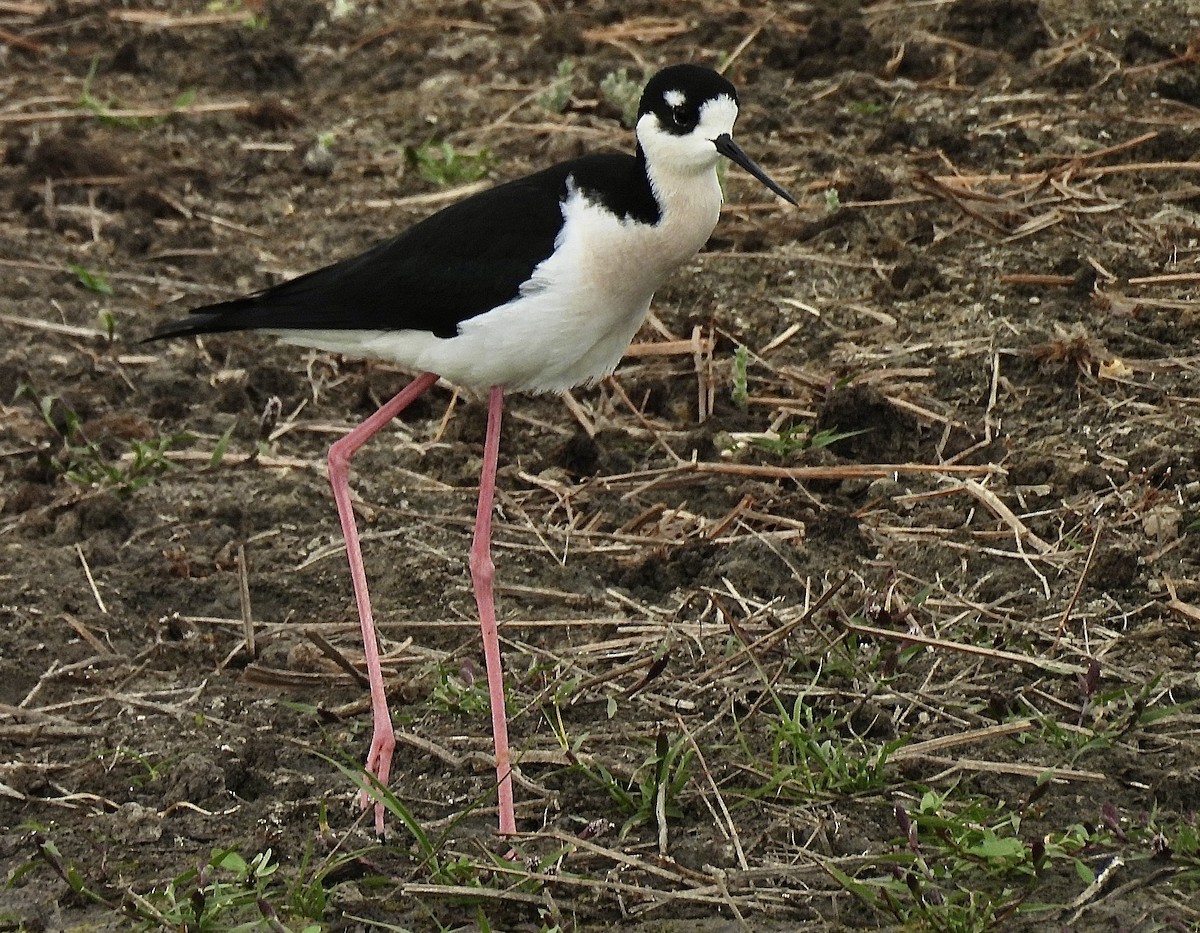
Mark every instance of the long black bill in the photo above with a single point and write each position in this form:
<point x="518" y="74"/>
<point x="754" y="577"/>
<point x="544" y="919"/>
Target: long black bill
<point x="732" y="151"/>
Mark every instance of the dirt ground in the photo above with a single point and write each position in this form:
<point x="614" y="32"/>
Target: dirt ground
<point x="888" y="620"/>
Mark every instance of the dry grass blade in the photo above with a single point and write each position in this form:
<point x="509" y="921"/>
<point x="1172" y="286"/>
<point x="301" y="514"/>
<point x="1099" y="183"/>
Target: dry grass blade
<point x="1046" y="664"/>
<point x="970" y="737"/>
<point x="1087" y="565"/>
<point x="87" y="572"/>
<point x="20" y="42"/>
<point x="771" y="640"/>
<point x="128" y="113"/>
<point x="638" y="29"/>
<point x="1173" y="278"/>
<point x="53" y="327"/>
<point x="244" y="601"/>
<point x="1037" y="772"/>
<point x="1178" y="606"/>
<point x="168" y="21"/>
<point x="839" y="472"/>
<point x="88" y="635"/>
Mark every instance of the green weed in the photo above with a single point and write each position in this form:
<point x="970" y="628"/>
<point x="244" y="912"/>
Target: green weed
<point x="965" y="866"/>
<point x="92" y="281"/>
<point x="793" y="440"/>
<point x="151" y="770"/>
<point x="556" y="97"/>
<point x="227" y="893"/>
<point x="82" y="461"/>
<point x="866" y="108"/>
<point x="457" y="870"/>
<point x="453" y="694"/>
<point x="653" y="795"/>
<point x="221" y="447"/>
<point x="46" y="853"/>
<point x="108" y="322"/>
<point x="446" y="167"/>
<point x="624" y="93"/>
<point x="1110" y="714"/>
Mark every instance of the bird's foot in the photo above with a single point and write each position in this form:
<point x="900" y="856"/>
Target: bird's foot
<point x="378" y="766"/>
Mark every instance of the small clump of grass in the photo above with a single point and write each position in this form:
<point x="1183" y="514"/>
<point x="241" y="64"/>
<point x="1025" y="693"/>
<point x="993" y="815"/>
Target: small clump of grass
<point x="866" y="108"/>
<point x="435" y="863"/>
<point x="652" y="797"/>
<point x="319" y="158"/>
<point x="814" y="755"/>
<point x="103" y="109"/>
<point x="85" y="462"/>
<point x="457" y="695"/>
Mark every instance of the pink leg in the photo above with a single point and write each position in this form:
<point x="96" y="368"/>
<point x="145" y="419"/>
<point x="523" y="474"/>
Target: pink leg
<point x="383" y="739"/>
<point x="483" y="572"/>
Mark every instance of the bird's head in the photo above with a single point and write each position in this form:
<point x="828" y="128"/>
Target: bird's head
<point x="685" y="124"/>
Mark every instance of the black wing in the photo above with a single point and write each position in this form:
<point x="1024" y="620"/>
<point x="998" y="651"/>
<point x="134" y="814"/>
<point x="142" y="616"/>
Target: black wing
<point x="462" y="261"/>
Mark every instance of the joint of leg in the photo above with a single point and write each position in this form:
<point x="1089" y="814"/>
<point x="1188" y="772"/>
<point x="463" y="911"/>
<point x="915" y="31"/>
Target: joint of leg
<point x="339" y="458"/>
<point x="483" y="570"/>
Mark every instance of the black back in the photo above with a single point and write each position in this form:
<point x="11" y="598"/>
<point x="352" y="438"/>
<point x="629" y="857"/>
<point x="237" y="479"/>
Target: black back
<point x="460" y="262"/>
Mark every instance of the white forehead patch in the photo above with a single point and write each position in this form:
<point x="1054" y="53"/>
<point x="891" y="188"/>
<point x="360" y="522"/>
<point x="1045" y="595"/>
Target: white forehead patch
<point x="718" y="115"/>
<point x="674" y="98"/>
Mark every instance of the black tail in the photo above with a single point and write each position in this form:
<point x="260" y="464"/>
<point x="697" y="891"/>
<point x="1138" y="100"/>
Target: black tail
<point x="201" y="321"/>
<point x="328" y="298"/>
<point x="268" y="310"/>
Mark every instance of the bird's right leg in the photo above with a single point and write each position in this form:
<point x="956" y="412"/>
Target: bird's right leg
<point x="383" y="738"/>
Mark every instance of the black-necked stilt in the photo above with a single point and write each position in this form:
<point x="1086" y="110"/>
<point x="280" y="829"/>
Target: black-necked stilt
<point x="537" y="285"/>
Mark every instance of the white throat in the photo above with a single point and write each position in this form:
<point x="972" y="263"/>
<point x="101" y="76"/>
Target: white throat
<point x="683" y="174"/>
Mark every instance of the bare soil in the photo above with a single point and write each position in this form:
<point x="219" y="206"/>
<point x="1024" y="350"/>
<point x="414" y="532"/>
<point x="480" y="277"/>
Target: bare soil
<point x="992" y="591"/>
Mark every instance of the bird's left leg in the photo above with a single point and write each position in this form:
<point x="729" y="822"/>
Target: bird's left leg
<point x="483" y="573"/>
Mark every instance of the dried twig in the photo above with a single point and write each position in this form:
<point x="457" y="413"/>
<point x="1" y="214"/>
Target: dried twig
<point x="1005" y="514"/>
<point x="244" y="600"/>
<point x="327" y="649"/>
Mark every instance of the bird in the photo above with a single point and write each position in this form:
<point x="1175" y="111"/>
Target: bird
<point x="535" y="285"/>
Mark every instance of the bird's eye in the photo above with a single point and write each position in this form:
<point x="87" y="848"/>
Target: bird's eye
<point x="680" y="115"/>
